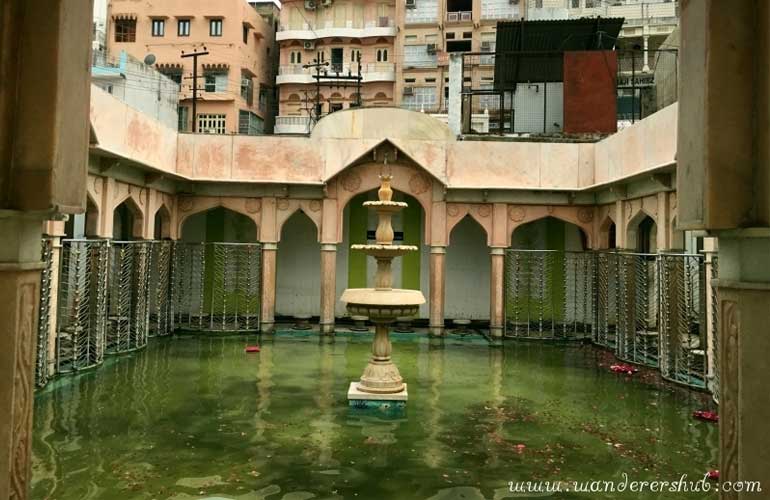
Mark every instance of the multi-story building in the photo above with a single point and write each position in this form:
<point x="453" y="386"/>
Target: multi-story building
<point x="647" y="22"/>
<point x="234" y="79"/>
<point x="403" y="49"/>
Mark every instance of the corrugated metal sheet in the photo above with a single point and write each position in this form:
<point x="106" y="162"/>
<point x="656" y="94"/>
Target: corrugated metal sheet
<point x="532" y="51"/>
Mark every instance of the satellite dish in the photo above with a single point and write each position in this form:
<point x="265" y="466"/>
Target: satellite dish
<point x="149" y="59"/>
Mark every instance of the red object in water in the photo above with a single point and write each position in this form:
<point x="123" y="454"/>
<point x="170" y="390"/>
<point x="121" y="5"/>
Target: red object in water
<point x="622" y="368"/>
<point x="708" y="416"/>
<point x="520" y="448"/>
<point x="252" y="348"/>
<point x="713" y="474"/>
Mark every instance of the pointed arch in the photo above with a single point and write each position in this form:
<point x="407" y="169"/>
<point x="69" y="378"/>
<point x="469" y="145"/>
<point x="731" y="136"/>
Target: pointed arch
<point x="218" y="224"/>
<point x="468" y="271"/>
<point x="286" y="208"/>
<point x="542" y="234"/>
<point x="582" y="217"/>
<point x="190" y="206"/>
<point x="92" y="220"/>
<point x="480" y="213"/>
<point x="607" y="233"/>
<point x="298" y="266"/>
<point x="641" y="231"/>
<point x="127" y="220"/>
<point x="162" y="226"/>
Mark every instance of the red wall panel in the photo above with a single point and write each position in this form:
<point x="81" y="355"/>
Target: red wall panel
<point x="590" y="102"/>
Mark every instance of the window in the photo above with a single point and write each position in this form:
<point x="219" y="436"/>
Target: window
<point x="245" y="34"/>
<point x="538" y="4"/>
<point x="590" y="4"/>
<point x="467" y="34"/>
<point x="183" y="27"/>
<point x="430" y="80"/>
<point x="247" y="88"/>
<point x="125" y="30"/>
<point x="212" y="124"/>
<point x="158" y="27"/>
<point x="450" y="36"/>
<point x="458" y="46"/>
<point x="575" y="4"/>
<point x="421" y="99"/>
<point x="184" y="117"/>
<point x="409" y="80"/>
<point x="173" y="74"/>
<point x="382" y="55"/>
<point x="215" y="27"/>
<point x="249" y="123"/>
<point x="216" y="81"/>
<point x="355" y="55"/>
<point x="295" y="57"/>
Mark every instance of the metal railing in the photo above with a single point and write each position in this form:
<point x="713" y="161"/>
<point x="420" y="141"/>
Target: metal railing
<point x="527" y="98"/>
<point x="216" y="286"/>
<point x="114" y="295"/>
<point x="82" y="305"/>
<point x="649" y="309"/>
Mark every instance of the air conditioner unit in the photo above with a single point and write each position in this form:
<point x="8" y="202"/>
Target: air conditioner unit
<point x="326" y="3"/>
<point x="411" y="4"/>
<point x="486" y="46"/>
<point x="431" y="48"/>
<point x="408" y="90"/>
<point x="310" y="4"/>
<point x="308" y="45"/>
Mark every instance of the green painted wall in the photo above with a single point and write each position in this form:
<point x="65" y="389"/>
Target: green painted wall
<point x="410" y="265"/>
<point x="357" y="225"/>
<point x="555" y="240"/>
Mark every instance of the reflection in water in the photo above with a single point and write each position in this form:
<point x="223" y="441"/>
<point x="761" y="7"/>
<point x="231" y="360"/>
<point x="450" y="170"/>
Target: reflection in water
<point x="197" y="414"/>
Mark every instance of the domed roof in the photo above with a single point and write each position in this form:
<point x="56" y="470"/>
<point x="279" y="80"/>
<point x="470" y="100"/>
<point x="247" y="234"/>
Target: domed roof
<point x="381" y="123"/>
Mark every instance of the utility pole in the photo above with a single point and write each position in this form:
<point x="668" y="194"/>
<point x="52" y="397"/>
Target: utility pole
<point x="317" y="65"/>
<point x="195" y="56"/>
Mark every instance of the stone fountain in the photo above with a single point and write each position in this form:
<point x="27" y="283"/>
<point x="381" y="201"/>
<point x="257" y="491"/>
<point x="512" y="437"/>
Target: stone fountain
<point x="381" y="380"/>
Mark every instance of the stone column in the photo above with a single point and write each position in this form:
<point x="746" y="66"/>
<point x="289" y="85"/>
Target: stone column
<point x="645" y="54"/>
<point x="437" y="277"/>
<point x="328" y="286"/>
<point x="20" y="270"/>
<point x="267" y="322"/>
<point x="56" y="248"/>
<point x="496" y="296"/>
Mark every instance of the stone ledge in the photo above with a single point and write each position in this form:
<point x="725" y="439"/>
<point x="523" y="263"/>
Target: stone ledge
<point x="354" y="394"/>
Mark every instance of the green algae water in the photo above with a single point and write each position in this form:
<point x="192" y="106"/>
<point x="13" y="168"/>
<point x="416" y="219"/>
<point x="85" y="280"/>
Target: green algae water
<point x="197" y="417"/>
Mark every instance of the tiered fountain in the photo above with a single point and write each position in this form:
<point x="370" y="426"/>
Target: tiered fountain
<point x="381" y="381"/>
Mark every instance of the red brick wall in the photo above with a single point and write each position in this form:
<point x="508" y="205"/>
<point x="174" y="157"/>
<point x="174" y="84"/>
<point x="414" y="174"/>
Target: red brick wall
<point x="590" y="102"/>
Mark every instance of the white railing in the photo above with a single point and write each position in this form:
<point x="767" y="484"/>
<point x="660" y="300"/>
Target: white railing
<point x="456" y="17"/>
<point x="368" y="71"/>
<point x="292" y="124"/>
<point x="421" y="19"/>
<point x="479" y="121"/>
<point x="498" y="13"/>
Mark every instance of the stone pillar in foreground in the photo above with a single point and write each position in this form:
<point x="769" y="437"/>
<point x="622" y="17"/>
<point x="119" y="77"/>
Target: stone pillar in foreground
<point x="267" y="320"/>
<point x="20" y="270"/>
<point x="328" y="287"/>
<point x="437" y="277"/>
<point x="496" y="295"/>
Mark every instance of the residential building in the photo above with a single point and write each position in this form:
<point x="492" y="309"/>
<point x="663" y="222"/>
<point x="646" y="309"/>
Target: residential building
<point x="403" y="49"/>
<point x="235" y="77"/>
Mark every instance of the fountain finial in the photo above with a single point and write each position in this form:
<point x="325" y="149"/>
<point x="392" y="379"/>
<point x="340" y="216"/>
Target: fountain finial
<point x="385" y="192"/>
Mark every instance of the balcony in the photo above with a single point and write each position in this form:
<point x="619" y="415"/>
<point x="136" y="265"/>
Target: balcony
<point x="292" y="125"/>
<point x="371" y="72"/>
<point x="383" y="26"/>
<point x="459" y="17"/>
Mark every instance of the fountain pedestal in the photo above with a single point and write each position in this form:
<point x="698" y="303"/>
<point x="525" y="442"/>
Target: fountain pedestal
<point x="381" y="384"/>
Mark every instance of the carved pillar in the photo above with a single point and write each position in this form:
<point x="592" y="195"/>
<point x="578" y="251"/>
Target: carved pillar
<point x="496" y="298"/>
<point x="269" y="251"/>
<point x="328" y="286"/>
<point x="20" y="270"/>
<point x="437" y="277"/>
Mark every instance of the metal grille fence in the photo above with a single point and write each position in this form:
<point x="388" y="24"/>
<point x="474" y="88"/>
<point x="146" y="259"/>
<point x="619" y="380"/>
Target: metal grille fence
<point x="683" y="314"/>
<point x="549" y="294"/>
<point x="712" y="269"/>
<point x="44" y="317"/>
<point x="650" y="309"/>
<point x="82" y="305"/>
<point x="161" y="321"/>
<point x="216" y="286"/>
<point x="129" y="296"/>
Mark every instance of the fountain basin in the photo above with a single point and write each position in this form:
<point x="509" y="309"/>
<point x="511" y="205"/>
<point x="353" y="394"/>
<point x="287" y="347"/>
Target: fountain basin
<point x="385" y="251"/>
<point x="382" y="305"/>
